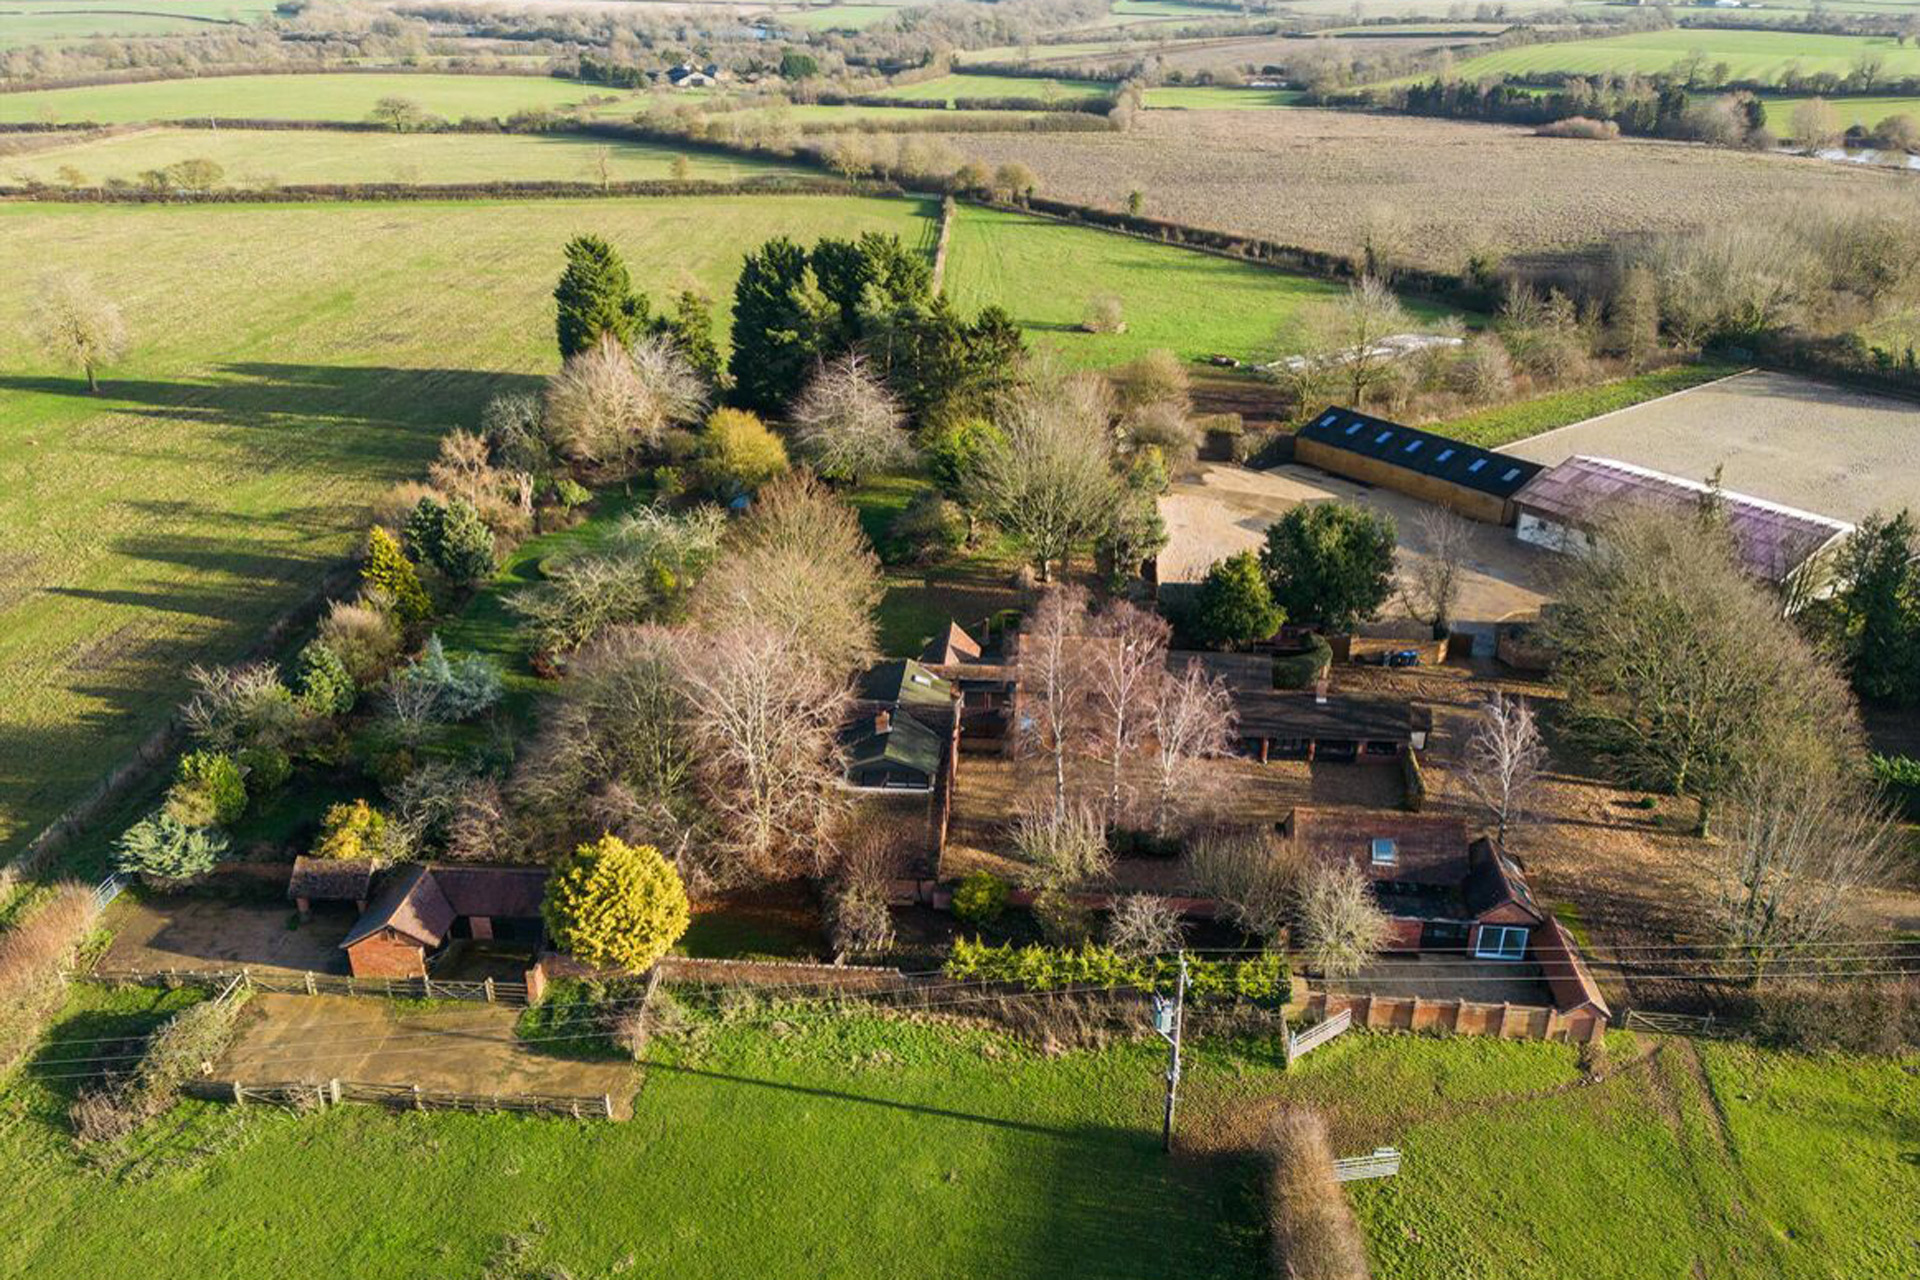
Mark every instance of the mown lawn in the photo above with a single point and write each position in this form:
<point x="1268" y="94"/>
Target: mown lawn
<point x="278" y="156"/>
<point x="293" y="97"/>
<point x="286" y="364"/>
<point x="1492" y="428"/>
<point x="784" y="1141"/>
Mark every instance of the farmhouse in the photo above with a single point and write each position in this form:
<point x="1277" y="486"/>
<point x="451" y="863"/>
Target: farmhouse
<point x="421" y="907"/>
<point x="900" y="728"/>
<point x="1474" y="482"/>
<point x="1443" y="892"/>
<point x="1791" y="549"/>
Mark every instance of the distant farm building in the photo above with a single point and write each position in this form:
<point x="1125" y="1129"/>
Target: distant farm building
<point x="1475" y="482"/>
<point x="1791" y="549"/>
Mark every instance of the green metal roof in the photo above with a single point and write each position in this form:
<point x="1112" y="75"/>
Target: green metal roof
<point x="906" y="682"/>
<point x="906" y="742"/>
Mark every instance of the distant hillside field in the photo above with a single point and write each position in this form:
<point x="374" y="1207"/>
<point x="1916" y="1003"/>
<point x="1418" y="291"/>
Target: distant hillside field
<point x="292" y="97"/>
<point x="951" y="87"/>
<point x="255" y="158"/>
<point x="1749" y="55"/>
<point x="287" y="363"/>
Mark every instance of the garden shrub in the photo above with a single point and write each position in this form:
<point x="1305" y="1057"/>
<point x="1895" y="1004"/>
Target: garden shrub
<point x="388" y="571"/>
<point x="740" y="453"/>
<point x="443" y="690"/>
<point x="160" y="847"/>
<point x="617" y="905"/>
<point x="932" y="528"/>
<point x="453" y="539"/>
<point x="267" y="769"/>
<point x="1234" y="605"/>
<point x="1261" y="979"/>
<point x="1302" y="670"/>
<point x="208" y="790"/>
<point x="358" y="830"/>
<point x="1900" y="775"/>
<point x="322" y="681"/>
<point x="35" y="951"/>
<point x="1063" y="922"/>
<point x="366" y="635"/>
<point x="980" y="899"/>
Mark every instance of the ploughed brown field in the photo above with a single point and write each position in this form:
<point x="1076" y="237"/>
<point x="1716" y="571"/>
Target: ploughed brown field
<point x="1318" y="178"/>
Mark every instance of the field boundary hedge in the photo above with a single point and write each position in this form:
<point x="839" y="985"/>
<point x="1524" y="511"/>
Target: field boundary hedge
<point x="155" y="75"/>
<point x="315" y="193"/>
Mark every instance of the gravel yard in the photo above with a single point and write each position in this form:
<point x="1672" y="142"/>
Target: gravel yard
<point x="1791" y="440"/>
<point x="1220" y="509"/>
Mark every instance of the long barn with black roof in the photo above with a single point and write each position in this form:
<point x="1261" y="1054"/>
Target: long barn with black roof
<point x="1477" y="483"/>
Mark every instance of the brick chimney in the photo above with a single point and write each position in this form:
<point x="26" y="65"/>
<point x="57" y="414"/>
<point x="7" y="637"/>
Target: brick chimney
<point x="883" y="722"/>
<point x="1320" y="689"/>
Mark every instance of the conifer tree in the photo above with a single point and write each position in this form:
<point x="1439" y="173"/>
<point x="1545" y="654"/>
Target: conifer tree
<point x="595" y="296"/>
<point x="388" y="570"/>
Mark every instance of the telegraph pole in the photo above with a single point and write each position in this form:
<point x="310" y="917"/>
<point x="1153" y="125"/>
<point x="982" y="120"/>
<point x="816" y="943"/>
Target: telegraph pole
<point x="1169" y="1018"/>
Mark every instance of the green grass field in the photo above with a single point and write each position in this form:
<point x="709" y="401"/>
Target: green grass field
<point x="56" y="23"/>
<point x="1491" y="428"/>
<point x="957" y="86"/>
<point x="267" y="157"/>
<point x="839" y="17"/>
<point x="1045" y="272"/>
<point x="1864" y="111"/>
<point x="293" y="97"/>
<point x="1749" y="55"/>
<point x="864" y="1147"/>
<point x="286" y="364"/>
<point x="1214" y="98"/>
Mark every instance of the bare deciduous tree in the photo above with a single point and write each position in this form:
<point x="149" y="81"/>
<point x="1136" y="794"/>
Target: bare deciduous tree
<point x="1143" y="924"/>
<point x="1047" y="479"/>
<point x="1431" y="578"/>
<point x="800" y="564"/>
<point x="1192" y="719"/>
<point x="1681" y="671"/>
<point x="1341" y="926"/>
<point x="1798" y="848"/>
<point x="1249" y="873"/>
<point x="1054" y="681"/>
<point x="79" y="327"/>
<point x="1503" y="762"/>
<point x="1126" y="658"/>
<point x="847" y="424"/>
<point x="1340" y="340"/>
<point x="768" y="716"/>
<point x="609" y="404"/>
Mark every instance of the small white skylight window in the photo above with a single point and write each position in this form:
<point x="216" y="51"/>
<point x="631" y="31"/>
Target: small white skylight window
<point x="1386" y="853"/>
<point x="918" y="678"/>
<point x="1476" y="465"/>
<point x="1511" y="473"/>
<point x="1355" y="428"/>
<point x="1413" y="446"/>
<point x="1328" y="419"/>
<point x="1383" y="437"/>
<point x="1444" y="455"/>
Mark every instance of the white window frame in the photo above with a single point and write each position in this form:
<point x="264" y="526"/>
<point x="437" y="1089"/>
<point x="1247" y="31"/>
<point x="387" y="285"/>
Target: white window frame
<point x="1482" y="952"/>
<point x="1384" y="852"/>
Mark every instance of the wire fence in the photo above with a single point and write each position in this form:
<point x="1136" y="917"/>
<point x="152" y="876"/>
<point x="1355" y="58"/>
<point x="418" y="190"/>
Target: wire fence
<point x="287" y="982"/>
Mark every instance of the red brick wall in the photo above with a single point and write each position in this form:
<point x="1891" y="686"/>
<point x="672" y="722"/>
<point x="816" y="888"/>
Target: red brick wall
<point x="386" y="955"/>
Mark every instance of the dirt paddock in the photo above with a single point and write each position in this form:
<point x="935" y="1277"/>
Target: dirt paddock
<point x="465" y="1048"/>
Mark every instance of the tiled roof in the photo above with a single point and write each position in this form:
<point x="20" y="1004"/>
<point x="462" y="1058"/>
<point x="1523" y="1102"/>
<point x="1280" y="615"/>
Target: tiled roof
<point x="331" y="879"/>
<point x="1773" y="540"/>
<point x="410" y="904"/>
<point x="1427" y="849"/>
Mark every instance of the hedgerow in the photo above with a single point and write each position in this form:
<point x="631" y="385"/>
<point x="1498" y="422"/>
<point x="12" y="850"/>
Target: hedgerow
<point x="1262" y="978"/>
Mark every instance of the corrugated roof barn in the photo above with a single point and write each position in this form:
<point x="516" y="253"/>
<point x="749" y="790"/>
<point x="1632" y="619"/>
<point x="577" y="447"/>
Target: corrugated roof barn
<point x="1561" y="505"/>
<point x="1465" y="478"/>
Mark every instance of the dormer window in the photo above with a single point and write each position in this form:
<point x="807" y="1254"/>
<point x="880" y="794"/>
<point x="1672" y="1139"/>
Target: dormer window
<point x="1386" y="853"/>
